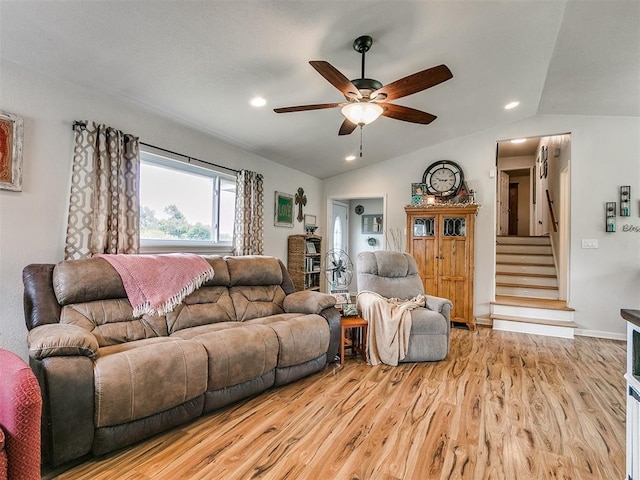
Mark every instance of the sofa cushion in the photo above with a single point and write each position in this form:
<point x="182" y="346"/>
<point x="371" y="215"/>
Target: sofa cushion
<point x="204" y="306"/>
<point x="112" y="321"/>
<point x="300" y="339"/>
<point x="237" y="355"/>
<point x="61" y="340"/>
<point x="219" y="265"/>
<point x="257" y="301"/>
<point x="254" y="270"/>
<point x="190" y="333"/>
<point x="140" y="378"/>
<point x="86" y="280"/>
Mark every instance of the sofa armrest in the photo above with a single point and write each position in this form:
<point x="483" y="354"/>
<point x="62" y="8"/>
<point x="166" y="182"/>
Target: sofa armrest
<point x="439" y="304"/>
<point x="308" y="302"/>
<point x="57" y="339"/>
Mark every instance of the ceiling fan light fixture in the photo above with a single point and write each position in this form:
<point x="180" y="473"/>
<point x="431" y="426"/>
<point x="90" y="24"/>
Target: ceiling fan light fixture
<point x="362" y="113"/>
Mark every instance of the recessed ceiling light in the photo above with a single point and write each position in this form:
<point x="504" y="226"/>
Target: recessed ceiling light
<point x="258" y="102"/>
<point x="350" y="158"/>
<point x="518" y="140"/>
<point x="511" y="105"/>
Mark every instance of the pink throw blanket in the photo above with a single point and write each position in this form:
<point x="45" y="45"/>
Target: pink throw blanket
<point x="156" y="284"/>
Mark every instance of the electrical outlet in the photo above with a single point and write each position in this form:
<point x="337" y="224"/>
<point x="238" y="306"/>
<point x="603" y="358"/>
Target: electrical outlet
<point x="589" y="243"/>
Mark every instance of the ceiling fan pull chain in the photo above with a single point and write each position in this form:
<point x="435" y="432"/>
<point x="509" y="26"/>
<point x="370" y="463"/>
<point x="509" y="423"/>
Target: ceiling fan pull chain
<point x="360" y="141"/>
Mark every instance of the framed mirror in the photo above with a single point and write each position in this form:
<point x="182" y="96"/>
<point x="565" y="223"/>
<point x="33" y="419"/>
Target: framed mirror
<point x="372" y="224"/>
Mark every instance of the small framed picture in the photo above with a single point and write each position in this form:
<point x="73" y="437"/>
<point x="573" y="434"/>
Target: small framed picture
<point x="349" y="310"/>
<point x="418" y="191"/>
<point x="10" y="152"/>
<point x="341" y="296"/>
<point x="283" y="209"/>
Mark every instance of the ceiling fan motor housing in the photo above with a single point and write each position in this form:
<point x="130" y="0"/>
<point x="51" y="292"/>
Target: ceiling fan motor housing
<point x="366" y="85"/>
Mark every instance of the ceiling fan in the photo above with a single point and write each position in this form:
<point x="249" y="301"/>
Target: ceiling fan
<point x="367" y="99"/>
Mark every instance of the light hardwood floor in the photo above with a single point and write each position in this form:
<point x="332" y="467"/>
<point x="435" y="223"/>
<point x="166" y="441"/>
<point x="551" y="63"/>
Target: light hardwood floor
<point x="501" y="406"/>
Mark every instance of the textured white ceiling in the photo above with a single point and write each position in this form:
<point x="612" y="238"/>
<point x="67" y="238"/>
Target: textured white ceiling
<point x="200" y="62"/>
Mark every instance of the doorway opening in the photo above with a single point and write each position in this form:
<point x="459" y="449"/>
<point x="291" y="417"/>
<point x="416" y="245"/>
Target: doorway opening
<point x="346" y="231"/>
<point x="533" y="209"/>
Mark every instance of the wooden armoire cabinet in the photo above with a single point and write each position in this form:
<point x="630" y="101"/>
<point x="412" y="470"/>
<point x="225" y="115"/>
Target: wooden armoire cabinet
<point x="441" y="239"/>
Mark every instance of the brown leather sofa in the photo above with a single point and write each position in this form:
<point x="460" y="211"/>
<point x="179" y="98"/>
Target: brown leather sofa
<point x="109" y="380"/>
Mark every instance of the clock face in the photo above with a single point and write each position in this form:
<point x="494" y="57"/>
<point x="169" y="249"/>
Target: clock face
<point x="443" y="178"/>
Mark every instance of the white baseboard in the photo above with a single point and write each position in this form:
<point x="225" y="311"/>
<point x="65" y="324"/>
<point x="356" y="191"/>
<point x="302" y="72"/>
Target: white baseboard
<point x="600" y="334"/>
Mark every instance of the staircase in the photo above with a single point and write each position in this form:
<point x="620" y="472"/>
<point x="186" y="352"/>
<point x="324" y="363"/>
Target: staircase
<point x="527" y="298"/>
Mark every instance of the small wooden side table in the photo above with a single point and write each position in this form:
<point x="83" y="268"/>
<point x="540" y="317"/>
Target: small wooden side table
<point x="358" y="336"/>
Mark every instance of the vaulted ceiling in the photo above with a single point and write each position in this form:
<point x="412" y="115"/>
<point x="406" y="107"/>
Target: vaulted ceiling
<point x="200" y="62"/>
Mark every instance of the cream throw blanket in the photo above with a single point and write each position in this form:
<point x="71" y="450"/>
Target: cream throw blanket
<point x="156" y="284"/>
<point x="389" y="326"/>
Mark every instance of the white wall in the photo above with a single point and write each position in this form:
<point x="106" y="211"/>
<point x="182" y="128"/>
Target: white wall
<point x="604" y="155"/>
<point x="32" y="222"/>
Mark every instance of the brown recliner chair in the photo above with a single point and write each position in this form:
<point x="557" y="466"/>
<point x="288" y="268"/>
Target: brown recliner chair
<point x="395" y="275"/>
<point x="20" y="413"/>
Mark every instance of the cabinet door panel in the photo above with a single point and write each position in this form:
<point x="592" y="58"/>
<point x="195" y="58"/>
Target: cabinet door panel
<point x="453" y="257"/>
<point x="455" y="289"/>
<point x="424" y="253"/>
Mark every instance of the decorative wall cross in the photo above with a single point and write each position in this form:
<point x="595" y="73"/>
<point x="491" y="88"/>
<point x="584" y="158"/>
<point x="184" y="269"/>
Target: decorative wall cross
<point x="301" y="199"/>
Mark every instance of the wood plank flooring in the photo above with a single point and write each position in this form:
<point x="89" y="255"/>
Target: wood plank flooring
<point x="502" y="405"/>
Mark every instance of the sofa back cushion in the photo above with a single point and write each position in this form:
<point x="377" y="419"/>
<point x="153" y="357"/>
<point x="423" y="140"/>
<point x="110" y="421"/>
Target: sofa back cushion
<point x="92" y="296"/>
<point x="256" y="286"/>
<point x="257" y="301"/>
<point x="254" y="270"/>
<point x="204" y="306"/>
<point x="112" y="322"/>
<point x="211" y="303"/>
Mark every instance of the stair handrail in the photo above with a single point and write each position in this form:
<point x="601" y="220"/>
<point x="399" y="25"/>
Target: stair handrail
<point x="554" y="222"/>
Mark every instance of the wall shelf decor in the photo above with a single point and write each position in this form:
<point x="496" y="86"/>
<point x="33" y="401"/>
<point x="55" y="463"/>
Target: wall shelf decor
<point x="610" y="216"/>
<point x="625" y="201"/>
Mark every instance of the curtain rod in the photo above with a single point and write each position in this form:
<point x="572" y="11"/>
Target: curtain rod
<point x="83" y="125"/>
<point x="190" y="158"/>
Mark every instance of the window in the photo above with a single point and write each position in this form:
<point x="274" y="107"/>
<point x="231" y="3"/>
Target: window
<point x="184" y="206"/>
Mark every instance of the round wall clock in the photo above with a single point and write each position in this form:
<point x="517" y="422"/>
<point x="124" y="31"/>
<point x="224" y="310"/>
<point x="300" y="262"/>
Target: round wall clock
<point x="443" y="178"/>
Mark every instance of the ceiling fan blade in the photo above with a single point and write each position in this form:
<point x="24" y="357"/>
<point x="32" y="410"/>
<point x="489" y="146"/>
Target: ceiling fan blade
<point x="415" y="83"/>
<point x="335" y="78"/>
<point x="407" y="114"/>
<point x="302" y="108"/>
<point x="347" y="127"/>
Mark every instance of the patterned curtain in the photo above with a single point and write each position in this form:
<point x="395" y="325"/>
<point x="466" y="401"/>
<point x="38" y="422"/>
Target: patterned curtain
<point x="104" y="203"/>
<point x="248" y="225"/>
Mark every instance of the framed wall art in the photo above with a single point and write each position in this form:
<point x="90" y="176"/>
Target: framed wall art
<point x="283" y="209"/>
<point x="10" y="152"/>
<point x="372" y="224"/>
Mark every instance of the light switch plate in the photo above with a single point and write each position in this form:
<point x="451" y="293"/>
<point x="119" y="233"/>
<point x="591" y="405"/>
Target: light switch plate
<point x="589" y="243"/>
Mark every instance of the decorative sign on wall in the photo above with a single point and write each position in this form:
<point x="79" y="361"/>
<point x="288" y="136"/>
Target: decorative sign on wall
<point x="283" y="208"/>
